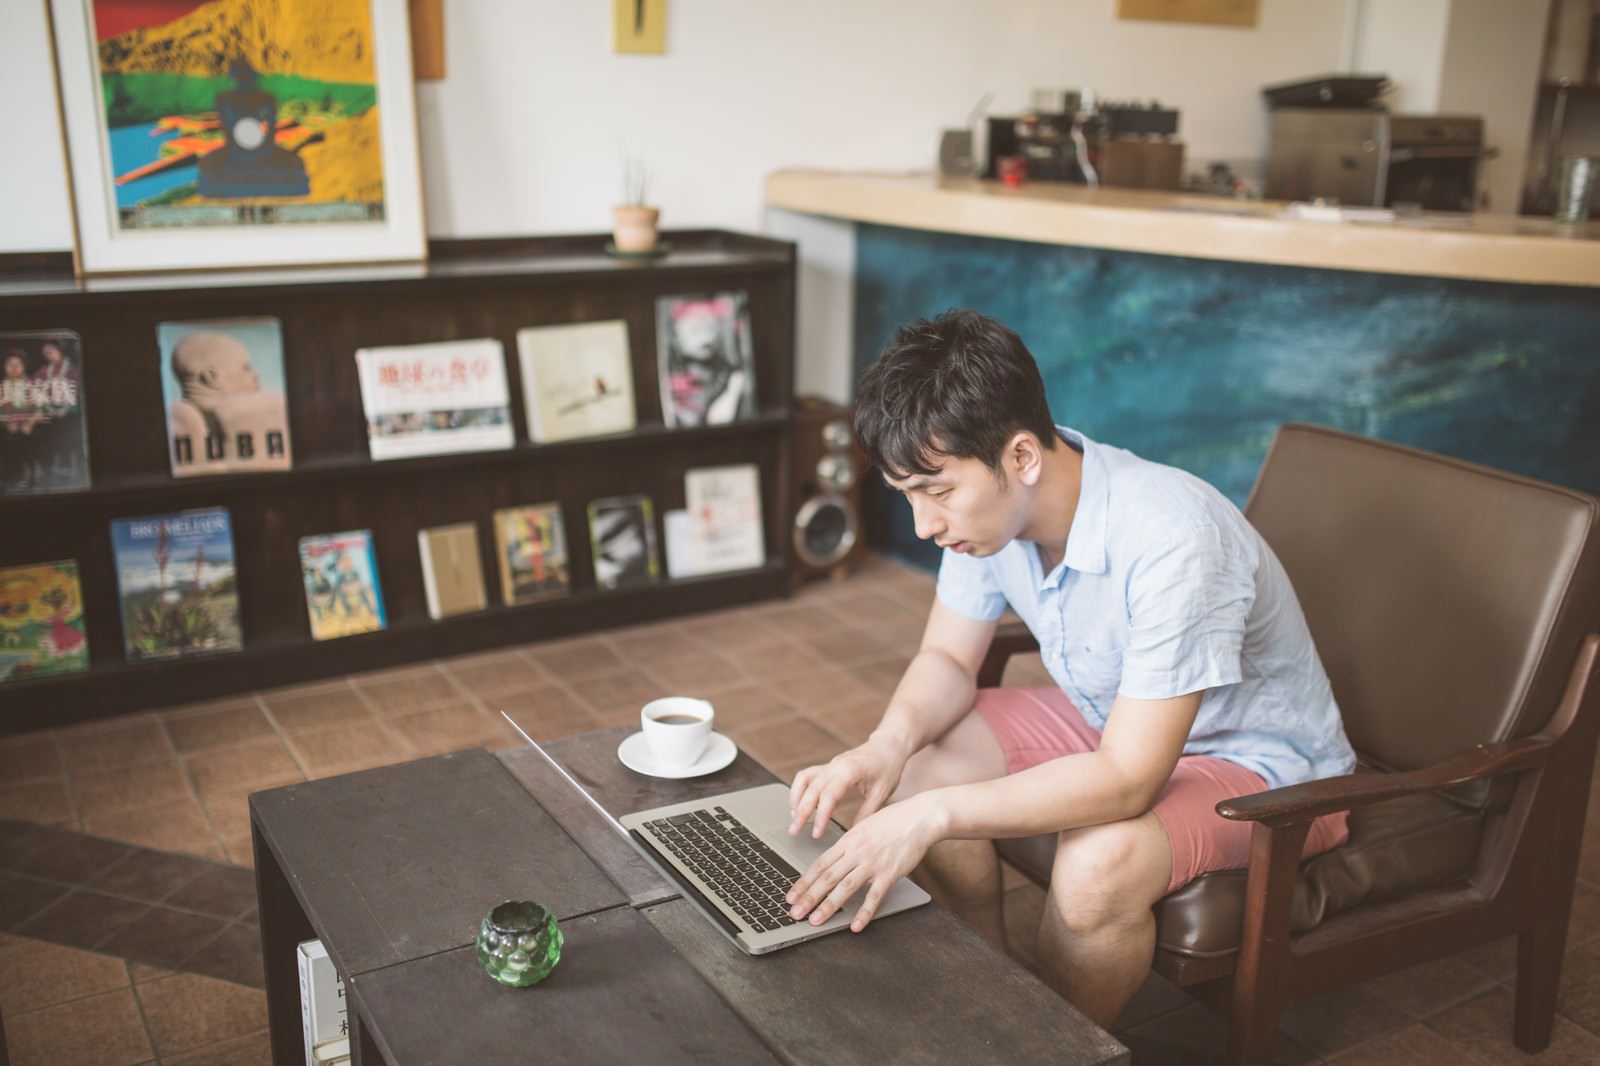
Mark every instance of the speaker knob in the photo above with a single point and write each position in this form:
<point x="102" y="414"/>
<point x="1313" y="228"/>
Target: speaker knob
<point x="836" y="434"/>
<point x="836" y="473"/>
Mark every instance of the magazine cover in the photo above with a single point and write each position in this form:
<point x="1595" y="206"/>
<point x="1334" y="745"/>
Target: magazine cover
<point x="577" y="380"/>
<point x="223" y="385"/>
<point x="532" y="550"/>
<point x="622" y="535"/>
<point x="707" y="367"/>
<point x="44" y="443"/>
<point x="724" y="505"/>
<point x="176" y="578"/>
<point x="428" y="399"/>
<point x="41" y="621"/>
<point x="343" y="596"/>
<point x="452" y="570"/>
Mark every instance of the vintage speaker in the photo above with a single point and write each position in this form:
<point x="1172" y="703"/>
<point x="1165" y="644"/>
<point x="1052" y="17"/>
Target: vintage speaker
<point x="825" y="534"/>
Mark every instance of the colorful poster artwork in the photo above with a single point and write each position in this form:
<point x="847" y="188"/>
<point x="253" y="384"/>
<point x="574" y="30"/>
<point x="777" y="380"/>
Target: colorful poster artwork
<point x="253" y="113"/>
<point x="175" y="574"/>
<point x="41" y="621"/>
<point x="343" y="596"/>
<point x="223" y="385"/>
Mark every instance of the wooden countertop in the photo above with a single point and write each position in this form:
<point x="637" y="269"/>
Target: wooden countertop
<point x="1478" y="247"/>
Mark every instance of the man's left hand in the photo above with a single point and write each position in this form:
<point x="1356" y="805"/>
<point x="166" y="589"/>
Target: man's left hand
<point x="877" y="852"/>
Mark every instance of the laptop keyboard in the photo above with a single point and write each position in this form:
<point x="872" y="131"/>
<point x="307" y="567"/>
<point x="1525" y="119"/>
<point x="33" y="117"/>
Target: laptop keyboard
<point x="747" y="875"/>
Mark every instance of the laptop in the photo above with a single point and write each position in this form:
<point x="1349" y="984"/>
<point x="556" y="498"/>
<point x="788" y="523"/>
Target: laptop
<point x="732" y="857"/>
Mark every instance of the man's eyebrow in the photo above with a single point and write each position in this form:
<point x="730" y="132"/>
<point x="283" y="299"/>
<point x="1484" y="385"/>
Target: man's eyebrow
<point x="912" y="485"/>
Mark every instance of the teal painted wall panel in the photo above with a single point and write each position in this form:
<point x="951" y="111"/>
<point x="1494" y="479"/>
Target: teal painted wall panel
<point x="1196" y="362"/>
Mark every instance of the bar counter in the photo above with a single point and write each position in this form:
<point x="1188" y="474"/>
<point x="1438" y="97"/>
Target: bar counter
<point x="1497" y="248"/>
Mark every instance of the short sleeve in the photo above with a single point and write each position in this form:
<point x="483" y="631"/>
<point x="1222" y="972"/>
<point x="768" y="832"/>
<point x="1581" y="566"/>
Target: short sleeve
<point x="1188" y="603"/>
<point x="970" y="587"/>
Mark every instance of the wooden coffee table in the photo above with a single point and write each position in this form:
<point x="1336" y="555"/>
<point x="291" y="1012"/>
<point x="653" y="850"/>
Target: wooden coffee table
<point x="394" y="868"/>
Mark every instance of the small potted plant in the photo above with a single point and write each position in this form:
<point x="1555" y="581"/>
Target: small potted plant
<point x="634" y="220"/>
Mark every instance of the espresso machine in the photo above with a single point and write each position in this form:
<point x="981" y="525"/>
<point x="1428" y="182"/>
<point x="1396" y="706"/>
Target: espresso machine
<point x="1126" y="145"/>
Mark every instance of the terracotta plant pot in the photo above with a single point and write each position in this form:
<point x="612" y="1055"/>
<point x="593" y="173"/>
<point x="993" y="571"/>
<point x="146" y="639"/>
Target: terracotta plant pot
<point x="634" y="228"/>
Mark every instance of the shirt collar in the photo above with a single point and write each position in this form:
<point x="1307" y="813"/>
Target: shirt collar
<point x="1086" y="540"/>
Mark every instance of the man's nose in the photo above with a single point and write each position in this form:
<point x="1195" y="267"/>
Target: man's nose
<point x="926" y="522"/>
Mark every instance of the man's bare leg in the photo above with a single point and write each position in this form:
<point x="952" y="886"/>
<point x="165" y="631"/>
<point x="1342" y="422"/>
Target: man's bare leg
<point x="963" y="875"/>
<point x="1098" y="934"/>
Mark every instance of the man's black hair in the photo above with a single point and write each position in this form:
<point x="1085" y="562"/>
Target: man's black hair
<point x="958" y="385"/>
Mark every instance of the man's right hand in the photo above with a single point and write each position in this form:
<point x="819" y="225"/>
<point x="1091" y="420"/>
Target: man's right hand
<point x="873" y="769"/>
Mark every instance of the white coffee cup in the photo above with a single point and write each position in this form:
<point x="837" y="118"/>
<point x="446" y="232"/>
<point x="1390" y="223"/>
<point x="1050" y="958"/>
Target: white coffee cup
<point x="677" y="728"/>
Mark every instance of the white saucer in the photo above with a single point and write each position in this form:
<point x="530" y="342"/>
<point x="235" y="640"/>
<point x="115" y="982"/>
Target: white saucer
<point x="634" y="751"/>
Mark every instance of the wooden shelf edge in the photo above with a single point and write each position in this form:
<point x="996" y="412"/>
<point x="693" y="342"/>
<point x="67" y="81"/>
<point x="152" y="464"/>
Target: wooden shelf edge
<point x="115" y="688"/>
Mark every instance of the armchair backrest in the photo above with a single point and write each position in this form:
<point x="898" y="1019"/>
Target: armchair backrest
<point x="1447" y="600"/>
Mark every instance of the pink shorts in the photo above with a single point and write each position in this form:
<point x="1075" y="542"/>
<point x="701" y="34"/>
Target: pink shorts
<point x="1035" y="725"/>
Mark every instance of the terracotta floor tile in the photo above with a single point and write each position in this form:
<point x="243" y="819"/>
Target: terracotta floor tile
<point x="82" y="919"/>
<point x="695" y="673"/>
<point x="61" y="855"/>
<point x="626" y="687"/>
<point x="1483" y="1027"/>
<point x="400" y="692"/>
<point x="728" y="631"/>
<point x="450" y="727"/>
<point x="252" y="1050"/>
<point x="23" y="897"/>
<point x="110" y="742"/>
<point x="42" y="801"/>
<point x="851" y="722"/>
<point x="779" y="661"/>
<point x="548" y="714"/>
<point x="797" y="620"/>
<point x="217" y="727"/>
<point x="190" y="1011"/>
<point x="299" y="709"/>
<point x="750" y="703"/>
<point x="163" y="937"/>
<point x="150" y="876"/>
<point x="582" y="657"/>
<point x="106" y="1030"/>
<point x="179" y="825"/>
<point x="29" y="757"/>
<point x="1340" y="1020"/>
<point x="36" y="974"/>
<point x="229" y="812"/>
<point x="1415" y="1045"/>
<point x="248" y="765"/>
<point x="488" y="676"/>
<point x="847" y="644"/>
<point x="239" y="850"/>
<point x="650" y="643"/>
<point x="234" y="956"/>
<point x="1434" y="986"/>
<point x="786" y="741"/>
<point x="219" y="890"/>
<point x="342" y="748"/>
<point x="1580" y="988"/>
<point x="122" y="788"/>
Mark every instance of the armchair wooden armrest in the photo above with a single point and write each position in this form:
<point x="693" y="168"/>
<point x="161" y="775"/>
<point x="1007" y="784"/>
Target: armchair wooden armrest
<point x="1312" y="799"/>
<point x="1011" y="638"/>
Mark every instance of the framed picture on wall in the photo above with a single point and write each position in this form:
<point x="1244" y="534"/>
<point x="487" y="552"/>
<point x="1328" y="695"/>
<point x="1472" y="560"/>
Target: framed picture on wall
<point x="206" y="133"/>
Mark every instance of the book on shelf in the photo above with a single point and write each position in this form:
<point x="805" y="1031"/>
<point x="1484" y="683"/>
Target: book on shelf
<point x="44" y="444"/>
<point x="324" y="1011"/>
<point x="433" y="399"/>
<point x="577" y="380"/>
<point x="176" y="581"/>
<point x="531" y="549"/>
<point x="41" y="621"/>
<point x="724" y="510"/>
<point x="343" y="596"/>
<point x="452" y="569"/>
<point x="705" y="360"/>
<point x="223" y="385"/>
<point x="622" y="538"/>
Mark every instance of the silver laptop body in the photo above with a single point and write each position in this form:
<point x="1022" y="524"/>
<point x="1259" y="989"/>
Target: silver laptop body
<point x="737" y="895"/>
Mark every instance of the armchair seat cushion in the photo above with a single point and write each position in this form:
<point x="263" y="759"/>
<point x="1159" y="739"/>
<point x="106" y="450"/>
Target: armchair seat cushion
<point x="1395" y="848"/>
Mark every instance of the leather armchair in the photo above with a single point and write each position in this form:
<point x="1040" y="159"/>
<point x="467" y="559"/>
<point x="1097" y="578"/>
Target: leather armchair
<point x="1456" y="609"/>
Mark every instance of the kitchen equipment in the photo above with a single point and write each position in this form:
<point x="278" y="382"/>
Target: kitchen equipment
<point x="1130" y="145"/>
<point x="1363" y="156"/>
<point x="1331" y="90"/>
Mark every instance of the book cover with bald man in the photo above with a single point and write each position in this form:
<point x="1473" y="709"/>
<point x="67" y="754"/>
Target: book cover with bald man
<point x="224" y="388"/>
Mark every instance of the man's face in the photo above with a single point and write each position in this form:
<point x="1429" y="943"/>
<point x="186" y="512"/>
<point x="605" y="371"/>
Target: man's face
<point x="964" y="506"/>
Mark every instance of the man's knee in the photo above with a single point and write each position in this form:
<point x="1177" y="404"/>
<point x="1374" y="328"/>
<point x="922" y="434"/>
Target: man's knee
<point x="1108" y="875"/>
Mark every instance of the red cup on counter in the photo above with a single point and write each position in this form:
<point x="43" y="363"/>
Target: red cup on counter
<point x="1012" y="169"/>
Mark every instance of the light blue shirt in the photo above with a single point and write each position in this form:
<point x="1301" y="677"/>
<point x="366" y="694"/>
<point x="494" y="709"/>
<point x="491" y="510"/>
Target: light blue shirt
<point x="1165" y="589"/>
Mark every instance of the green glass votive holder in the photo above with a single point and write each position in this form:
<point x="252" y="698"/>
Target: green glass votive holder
<point x="519" y="943"/>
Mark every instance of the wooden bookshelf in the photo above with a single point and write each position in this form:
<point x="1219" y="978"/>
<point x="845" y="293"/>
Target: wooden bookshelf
<point x="467" y="289"/>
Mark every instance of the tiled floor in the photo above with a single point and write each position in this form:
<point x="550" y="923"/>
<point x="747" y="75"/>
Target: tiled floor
<point x="134" y="949"/>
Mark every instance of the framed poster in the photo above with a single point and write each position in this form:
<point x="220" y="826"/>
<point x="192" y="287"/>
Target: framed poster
<point x="229" y="133"/>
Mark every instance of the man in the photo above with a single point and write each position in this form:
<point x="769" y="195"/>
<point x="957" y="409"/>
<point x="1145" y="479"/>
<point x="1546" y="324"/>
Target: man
<point x="1184" y="671"/>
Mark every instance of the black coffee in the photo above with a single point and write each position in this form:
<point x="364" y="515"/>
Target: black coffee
<point x="676" y="719"/>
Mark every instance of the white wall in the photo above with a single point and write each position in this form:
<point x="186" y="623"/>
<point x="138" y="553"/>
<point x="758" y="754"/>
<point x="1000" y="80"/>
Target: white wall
<point x="1491" y="68"/>
<point x="1405" y="40"/>
<point x="523" y="135"/>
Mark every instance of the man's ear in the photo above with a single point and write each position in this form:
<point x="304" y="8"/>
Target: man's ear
<point x="1024" y="458"/>
<point x="208" y="377"/>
